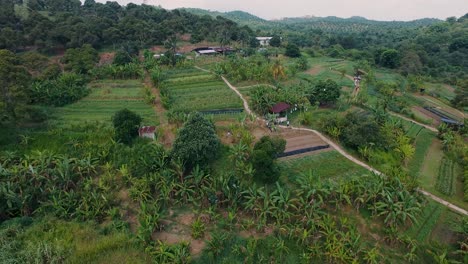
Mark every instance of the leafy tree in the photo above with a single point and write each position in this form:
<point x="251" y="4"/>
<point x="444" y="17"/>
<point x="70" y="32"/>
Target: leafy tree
<point x="263" y="158"/>
<point x="410" y="63"/>
<point x="292" y="50"/>
<point x="390" y="58"/>
<point x="325" y="92"/>
<point x="14" y="80"/>
<point x="275" y="41"/>
<point x="461" y="95"/>
<point x="196" y="142"/>
<point x="126" y="124"/>
<point x="359" y="130"/>
<point x="122" y="58"/>
<point x="81" y="60"/>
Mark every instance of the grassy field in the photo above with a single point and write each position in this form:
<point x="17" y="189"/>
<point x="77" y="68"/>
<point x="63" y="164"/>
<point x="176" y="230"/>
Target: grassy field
<point x="106" y="98"/>
<point x="194" y="90"/>
<point x="330" y="164"/>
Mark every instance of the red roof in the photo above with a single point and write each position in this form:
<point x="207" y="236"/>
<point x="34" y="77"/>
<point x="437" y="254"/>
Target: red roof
<point x="280" y="107"/>
<point x="146" y="129"/>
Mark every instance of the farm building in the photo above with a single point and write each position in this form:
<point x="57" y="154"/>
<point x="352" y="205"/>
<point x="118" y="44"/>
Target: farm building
<point x="264" y="41"/>
<point x="213" y="50"/>
<point x="280" y="110"/>
<point x="147" y="132"/>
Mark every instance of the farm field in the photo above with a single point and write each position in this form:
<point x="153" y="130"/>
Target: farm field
<point x="193" y="90"/>
<point x="106" y="98"/>
<point x="422" y="144"/>
<point x="330" y="164"/>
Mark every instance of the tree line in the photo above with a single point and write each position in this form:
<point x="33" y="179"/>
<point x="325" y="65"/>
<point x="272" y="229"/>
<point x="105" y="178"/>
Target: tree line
<point x="51" y="25"/>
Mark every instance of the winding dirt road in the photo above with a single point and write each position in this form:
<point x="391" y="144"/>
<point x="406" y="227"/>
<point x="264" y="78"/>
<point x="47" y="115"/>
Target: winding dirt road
<point x="343" y="152"/>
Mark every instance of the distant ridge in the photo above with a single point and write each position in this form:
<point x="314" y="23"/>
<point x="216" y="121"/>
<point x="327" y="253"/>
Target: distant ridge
<point x="352" y="24"/>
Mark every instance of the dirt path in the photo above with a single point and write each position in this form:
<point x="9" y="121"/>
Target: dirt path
<point x="443" y="202"/>
<point x="345" y="154"/>
<point x="160" y="111"/>
<point x="433" y="129"/>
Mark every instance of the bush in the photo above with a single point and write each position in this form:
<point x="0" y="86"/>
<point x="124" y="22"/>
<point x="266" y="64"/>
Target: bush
<point x="126" y="124"/>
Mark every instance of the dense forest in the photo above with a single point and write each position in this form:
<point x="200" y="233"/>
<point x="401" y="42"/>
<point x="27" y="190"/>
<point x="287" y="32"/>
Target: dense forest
<point x="121" y="144"/>
<point x="51" y="25"/>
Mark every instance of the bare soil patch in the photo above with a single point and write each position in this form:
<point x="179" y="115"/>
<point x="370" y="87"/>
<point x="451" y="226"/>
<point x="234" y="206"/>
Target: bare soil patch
<point x="178" y="230"/>
<point x="296" y="139"/>
<point x="128" y="212"/>
<point x="106" y="58"/>
<point x="314" y="70"/>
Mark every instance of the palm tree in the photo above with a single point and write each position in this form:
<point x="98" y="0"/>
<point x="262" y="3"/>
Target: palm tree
<point x="278" y="70"/>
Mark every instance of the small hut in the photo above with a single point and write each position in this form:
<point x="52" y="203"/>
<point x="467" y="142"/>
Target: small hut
<point x="147" y="132"/>
<point x="281" y="111"/>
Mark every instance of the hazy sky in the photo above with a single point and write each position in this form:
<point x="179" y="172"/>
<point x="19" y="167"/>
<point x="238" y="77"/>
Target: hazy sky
<point x="373" y="9"/>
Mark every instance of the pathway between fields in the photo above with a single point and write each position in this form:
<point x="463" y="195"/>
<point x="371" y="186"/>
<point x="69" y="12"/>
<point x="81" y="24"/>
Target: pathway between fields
<point x="433" y="129"/>
<point x="341" y="150"/>
<point x="161" y="113"/>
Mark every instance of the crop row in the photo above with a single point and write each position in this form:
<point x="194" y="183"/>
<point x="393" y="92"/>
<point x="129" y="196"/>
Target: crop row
<point x="446" y="177"/>
<point x="426" y="222"/>
<point x="422" y="144"/>
<point x="414" y="131"/>
<point x="190" y="79"/>
<point x="182" y="72"/>
<point x="197" y="93"/>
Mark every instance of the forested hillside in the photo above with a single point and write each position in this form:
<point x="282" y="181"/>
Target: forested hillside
<point x="426" y="46"/>
<point x="58" y="24"/>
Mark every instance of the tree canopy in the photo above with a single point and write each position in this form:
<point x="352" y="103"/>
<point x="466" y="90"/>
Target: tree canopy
<point x="196" y="143"/>
<point x="126" y="124"/>
<point x="325" y="92"/>
<point x="14" y="81"/>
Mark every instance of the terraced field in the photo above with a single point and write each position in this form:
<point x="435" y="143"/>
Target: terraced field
<point x="193" y="90"/>
<point x="106" y="98"/>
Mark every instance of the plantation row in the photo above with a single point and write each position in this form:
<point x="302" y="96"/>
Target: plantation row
<point x="422" y="143"/>
<point x="446" y="177"/>
<point x="194" y="90"/>
<point x="104" y="100"/>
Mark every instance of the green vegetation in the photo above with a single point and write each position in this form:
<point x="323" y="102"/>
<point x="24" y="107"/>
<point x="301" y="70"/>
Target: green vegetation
<point x="446" y="177"/>
<point x="77" y="185"/>
<point x="422" y="144"/>
<point x="196" y="142"/>
<point x="193" y="90"/>
<point x="126" y="124"/>
<point x="330" y="164"/>
<point x="106" y="98"/>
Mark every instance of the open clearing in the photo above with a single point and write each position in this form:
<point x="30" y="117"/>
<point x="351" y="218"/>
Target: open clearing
<point x="106" y="98"/>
